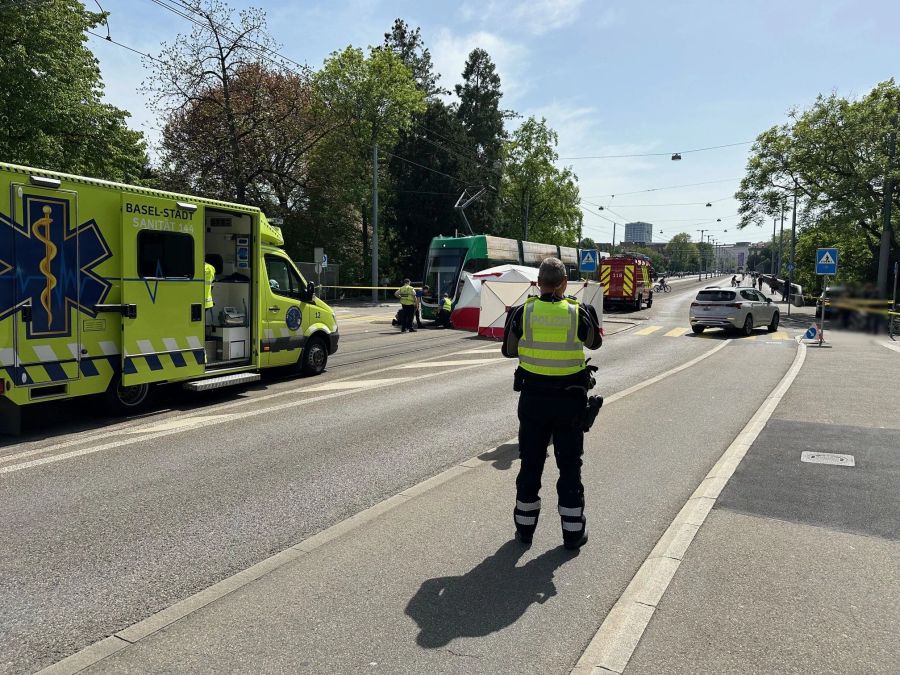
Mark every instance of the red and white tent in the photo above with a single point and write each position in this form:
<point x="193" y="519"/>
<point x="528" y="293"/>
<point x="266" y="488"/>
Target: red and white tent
<point x="467" y="308"/>
<point x="500" y="295"/>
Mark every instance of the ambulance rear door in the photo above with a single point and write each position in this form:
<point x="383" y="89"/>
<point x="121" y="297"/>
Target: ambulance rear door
<point x="163" y="326"/>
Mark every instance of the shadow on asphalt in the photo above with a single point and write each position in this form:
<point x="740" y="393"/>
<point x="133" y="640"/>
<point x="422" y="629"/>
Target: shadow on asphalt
<point x="502" y="457"/>
<point x="493" y="595"/>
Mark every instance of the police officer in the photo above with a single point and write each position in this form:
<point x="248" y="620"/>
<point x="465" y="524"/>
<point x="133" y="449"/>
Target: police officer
<point x="407" y="295"/>
<point x="548" y="334"/>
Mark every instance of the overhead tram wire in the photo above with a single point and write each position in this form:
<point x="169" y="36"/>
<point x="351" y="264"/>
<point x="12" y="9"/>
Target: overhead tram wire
<point x="422" y="166"/>
<point x="124" y="46"/>
<point x="659" y="154"/>
<point x="670" y="187"/>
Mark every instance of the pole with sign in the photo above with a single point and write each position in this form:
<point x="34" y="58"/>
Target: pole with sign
<point x="826" y="266"/>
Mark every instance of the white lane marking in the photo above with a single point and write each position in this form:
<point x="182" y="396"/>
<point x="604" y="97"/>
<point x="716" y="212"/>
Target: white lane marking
<point x="890" y="346"/>
<point x="357" y="384"/>
<point x="177" y="425"/>
<point x="615" y="641"/>
<point x="494" y="349"/>
<point x="429" y="364"/>
<point x="137" y="631"/>
<point x="653" y="380"/>
<point x="140" y="435"/>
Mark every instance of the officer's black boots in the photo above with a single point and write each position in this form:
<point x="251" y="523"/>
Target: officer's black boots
<point x="574" y="544"/>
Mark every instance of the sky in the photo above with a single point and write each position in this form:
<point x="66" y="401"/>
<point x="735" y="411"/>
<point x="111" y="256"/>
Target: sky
<point x="612" y="77"/>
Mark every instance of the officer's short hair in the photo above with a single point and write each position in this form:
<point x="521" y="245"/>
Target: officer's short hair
<point x="405" y="282"/>
<point x="551" y="273"/>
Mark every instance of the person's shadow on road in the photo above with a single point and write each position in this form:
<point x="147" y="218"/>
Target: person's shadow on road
<point x="490" y="597"/>
<point x="502" y="457"/>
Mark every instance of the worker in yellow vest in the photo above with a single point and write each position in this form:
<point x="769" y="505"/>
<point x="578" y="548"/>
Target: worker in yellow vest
<point x="209" y="275"/>
<point x="443" y="316"/>
<point x="548" y="335"/>
<point x="407" y="295"/>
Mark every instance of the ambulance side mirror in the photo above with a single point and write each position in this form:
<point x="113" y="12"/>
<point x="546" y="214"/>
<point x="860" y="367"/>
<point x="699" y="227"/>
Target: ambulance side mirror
<point x="308" y="292"/>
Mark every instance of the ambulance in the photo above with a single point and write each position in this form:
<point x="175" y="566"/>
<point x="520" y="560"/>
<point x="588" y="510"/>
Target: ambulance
<point x="103" y="291"/>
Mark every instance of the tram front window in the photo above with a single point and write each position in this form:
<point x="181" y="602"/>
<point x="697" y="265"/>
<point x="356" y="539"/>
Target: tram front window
<point x="443" y="271"/>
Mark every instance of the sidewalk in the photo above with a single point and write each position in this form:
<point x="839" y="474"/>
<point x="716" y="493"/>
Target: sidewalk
<point x="797" y="568"/>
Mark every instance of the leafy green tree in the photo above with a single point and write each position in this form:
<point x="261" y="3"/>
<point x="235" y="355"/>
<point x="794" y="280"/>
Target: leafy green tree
<point x="682" y="253"/>
<point x="425" y="161"/>
<point x="540" y="202"/>
<point x="51" y="110"/>
<point x="479" y="110"/>
<point x="373" y="99"/>
<point x="837" y="157"/>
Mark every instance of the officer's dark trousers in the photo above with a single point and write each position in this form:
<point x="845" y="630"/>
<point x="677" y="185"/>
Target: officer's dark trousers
<point x="543" y="417"/>
<point x="407" y="312"/>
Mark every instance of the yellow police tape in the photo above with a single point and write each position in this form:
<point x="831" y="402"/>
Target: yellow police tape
<point x="369" y="288"/>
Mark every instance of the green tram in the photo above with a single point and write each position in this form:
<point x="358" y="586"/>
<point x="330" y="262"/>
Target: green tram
<point x="449" y="257"/>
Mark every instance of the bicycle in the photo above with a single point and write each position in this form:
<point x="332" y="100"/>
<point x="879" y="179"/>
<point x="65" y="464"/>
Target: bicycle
<point x="662" y="288"/>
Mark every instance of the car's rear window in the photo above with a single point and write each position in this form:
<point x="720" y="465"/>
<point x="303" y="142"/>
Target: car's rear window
<point x="715" y="296"/>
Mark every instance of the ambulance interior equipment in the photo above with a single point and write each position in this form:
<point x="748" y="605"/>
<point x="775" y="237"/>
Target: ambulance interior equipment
<point x="228" y="240"/>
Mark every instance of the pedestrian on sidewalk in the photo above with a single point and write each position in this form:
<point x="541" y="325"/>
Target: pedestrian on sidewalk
<point x="547" y="335"/>
<point x="407" y="295"/>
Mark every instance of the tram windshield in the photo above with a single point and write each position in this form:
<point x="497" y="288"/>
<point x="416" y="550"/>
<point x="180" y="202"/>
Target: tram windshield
<point x="443" y="270"/>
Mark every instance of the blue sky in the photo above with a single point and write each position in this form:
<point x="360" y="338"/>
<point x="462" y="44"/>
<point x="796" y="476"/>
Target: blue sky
<point x="612" y="77"/>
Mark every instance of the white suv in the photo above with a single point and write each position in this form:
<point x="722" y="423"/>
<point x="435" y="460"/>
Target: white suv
<point x="741" y="308"/>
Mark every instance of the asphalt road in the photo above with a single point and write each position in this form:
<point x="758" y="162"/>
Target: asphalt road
<point x="107" y="521"/>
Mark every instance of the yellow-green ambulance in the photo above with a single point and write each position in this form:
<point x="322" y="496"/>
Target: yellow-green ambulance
<point x="103" y="290"/>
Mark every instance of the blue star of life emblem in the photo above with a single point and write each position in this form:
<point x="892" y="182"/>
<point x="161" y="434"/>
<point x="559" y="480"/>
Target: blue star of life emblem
<point x="48" y="264"/>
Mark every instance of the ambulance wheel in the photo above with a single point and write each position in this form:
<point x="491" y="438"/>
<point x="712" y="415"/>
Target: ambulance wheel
<point x="126" y="399"/>
<point x="314" y="356"/>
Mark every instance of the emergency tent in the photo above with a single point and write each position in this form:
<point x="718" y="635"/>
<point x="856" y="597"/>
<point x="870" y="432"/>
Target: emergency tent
<point x="500" y="294"/>
<point x="467" y="308"/>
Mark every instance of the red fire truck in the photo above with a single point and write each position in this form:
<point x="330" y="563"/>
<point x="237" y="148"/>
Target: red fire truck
<point x="626" y="281"/>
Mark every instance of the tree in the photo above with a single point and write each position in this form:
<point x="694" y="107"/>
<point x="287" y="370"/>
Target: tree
<point x="214" y="93"/>
<point x="373" y="98"/>
<point x="410" y="48"/>
<point x="838" y="157"/>
<point x="539" y="201"/>
<point x="682" y="253"/>
<point x="422" y="195"/>
<point x="479" y="110"/>
<point x="51" y="110"/>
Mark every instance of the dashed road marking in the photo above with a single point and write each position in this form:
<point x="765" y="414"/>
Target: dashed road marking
<point x="429" y="364"/>
<point x="677" y="332"/>
<point x="648" y="330"/>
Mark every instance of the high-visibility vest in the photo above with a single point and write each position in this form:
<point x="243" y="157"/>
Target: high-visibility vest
<point x="550" y="344"/>
<point x="407" y="295"/>
<point x="209" y="275"/>
<point x="448" y="305"/>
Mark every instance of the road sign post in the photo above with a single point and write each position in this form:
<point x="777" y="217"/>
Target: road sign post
<point x="588" y="261"/>
<point x="826" y="266"/>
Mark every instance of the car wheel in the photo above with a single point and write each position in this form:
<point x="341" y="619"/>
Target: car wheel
<point x="772" y="327"/>
<point x="748" y="325"/>
<point x="698" y="329"/>
<point x="314" y="356"/>
<point x="125" y="399"/>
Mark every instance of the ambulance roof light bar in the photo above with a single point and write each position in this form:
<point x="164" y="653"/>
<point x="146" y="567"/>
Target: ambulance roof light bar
<point x="44" y="182"/>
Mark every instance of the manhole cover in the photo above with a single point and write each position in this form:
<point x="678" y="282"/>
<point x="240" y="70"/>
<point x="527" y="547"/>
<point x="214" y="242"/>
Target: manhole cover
<point x="827" y="458"/>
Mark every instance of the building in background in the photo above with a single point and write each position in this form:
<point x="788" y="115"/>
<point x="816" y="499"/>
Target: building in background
<point x="638" y="233"/>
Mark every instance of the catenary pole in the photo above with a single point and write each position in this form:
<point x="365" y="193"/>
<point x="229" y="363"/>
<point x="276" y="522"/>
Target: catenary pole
<point x="375" y="222"/>
<point x="792" y="265"/>
<point x="884" y="254"/>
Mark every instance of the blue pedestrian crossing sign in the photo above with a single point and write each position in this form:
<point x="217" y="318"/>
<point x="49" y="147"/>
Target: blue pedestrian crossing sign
<point x="826" y="261"/>
<point x="589" y="261"/>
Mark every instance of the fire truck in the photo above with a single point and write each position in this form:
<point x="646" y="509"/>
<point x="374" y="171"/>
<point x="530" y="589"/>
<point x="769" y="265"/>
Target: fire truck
<point x="626" y="281"/>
